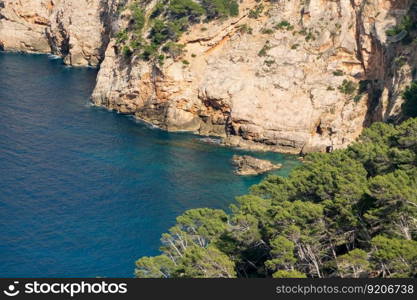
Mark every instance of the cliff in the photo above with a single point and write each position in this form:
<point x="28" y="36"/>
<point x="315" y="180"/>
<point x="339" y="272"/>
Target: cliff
<point x="77" y="30"/>
<point x="289" y="76"/>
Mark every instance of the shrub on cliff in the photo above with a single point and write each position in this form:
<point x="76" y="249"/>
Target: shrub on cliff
<point x="185" y="8"/>
<point x="220" y="8"/>
<point x="168" y="20"/>
<point x="348" y="87"/>
<point x="349" y="213"/>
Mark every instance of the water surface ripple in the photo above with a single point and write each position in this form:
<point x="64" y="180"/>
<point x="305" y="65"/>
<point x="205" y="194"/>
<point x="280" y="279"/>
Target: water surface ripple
<point x="85" y="192"/>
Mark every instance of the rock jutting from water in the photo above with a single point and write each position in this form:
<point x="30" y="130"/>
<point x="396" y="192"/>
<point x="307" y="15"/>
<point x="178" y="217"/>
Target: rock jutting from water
<point x="248" y="165"/>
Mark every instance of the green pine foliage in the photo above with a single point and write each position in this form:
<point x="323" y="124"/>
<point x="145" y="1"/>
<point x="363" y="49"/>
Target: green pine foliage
<point x="410" y="101"/>
<point x="349" y="213"/>
<point x="406" y="24"/>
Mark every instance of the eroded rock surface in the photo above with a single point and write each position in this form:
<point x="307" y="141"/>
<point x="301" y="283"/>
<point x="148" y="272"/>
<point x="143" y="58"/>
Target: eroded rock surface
<point x="248" y="165"/>
<point x="77" y="30"/>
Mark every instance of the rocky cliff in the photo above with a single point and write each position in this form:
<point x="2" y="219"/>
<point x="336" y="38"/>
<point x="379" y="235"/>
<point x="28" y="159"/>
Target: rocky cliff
<point x="291" y="76"/>
<point x="77" y="30"/>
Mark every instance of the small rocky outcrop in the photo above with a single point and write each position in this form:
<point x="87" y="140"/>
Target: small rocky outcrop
<point x="248" y="165"/>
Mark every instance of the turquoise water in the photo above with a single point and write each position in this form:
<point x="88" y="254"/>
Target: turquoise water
<point x="84" y="192"/>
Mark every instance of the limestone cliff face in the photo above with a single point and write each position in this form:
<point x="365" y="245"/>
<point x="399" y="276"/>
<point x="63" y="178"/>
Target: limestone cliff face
<point x="77" y="30"/>
<point x="300" y="76"/>
<point x="280" y="88"/>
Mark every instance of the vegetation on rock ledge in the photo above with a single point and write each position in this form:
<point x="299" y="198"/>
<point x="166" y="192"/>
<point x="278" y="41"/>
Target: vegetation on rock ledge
<point x="147" y="35"/>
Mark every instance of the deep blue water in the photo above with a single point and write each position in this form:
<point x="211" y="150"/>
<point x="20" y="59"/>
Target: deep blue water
<point x="84" y="192"/>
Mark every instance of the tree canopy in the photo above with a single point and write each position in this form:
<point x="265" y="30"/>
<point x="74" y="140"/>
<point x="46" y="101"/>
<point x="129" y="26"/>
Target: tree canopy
<point x="349" y="213"/>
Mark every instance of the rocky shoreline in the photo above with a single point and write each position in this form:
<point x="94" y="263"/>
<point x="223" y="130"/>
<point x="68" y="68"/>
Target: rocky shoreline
<point x="248" y="165"/>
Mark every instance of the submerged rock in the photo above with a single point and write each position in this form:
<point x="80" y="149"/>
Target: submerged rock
<point x="248" y="165"/>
